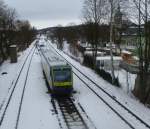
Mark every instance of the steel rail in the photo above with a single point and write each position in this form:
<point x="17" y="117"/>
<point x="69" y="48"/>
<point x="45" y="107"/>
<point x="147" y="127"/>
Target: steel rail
<point x="23" y="92"/>
<point x="14" y="87"/>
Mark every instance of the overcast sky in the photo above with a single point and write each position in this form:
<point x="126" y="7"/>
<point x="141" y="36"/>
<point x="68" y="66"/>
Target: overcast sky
<point x="45" y="13"/>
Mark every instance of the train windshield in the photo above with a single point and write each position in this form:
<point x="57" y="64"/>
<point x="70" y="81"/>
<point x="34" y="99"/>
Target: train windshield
<point x="62" y="75"/>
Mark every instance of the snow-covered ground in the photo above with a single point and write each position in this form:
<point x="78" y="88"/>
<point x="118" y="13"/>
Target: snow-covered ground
<point x="11" y="70"/>
<point x="126" y="80"/>
<point x="37" y="110"/>
<point x="66" y="49"/>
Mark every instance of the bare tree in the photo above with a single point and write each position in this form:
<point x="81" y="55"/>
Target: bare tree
<point x="93" y="14"/>
<point x="9" y="32"/>
<point x="3" y="18"/>
<point x="58" y="34"/>
<point x="11" y="16"/>
<point x="111" y="37"/>
<point x="112" y="8"/>
<point x="94" y="11"/>
<point x="142" y="85"/>
<point x="25" y="33"/>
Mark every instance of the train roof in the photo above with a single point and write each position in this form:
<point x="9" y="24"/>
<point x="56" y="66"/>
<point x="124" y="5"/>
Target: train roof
<point x="53" y="58"/>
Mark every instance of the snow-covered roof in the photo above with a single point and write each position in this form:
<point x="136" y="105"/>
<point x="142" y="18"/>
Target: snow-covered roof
<point x="126" y="52"/>
<point x="109" y="58"/>
<point x="135" y="57"/>
<point x="13" y="46"/>
<point x="89" y="48"/>
<point x="91" y="53"/>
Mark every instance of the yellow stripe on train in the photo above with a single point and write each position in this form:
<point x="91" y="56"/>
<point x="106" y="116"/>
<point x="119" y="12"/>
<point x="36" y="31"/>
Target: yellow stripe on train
<point x="62" y="83"/>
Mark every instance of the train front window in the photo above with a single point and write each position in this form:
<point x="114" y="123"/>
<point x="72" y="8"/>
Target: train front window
<point x="62" y="75"/>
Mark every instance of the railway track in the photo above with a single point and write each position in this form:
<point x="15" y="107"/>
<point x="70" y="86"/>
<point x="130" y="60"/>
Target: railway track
<point x="67" y="112"/>
<point x="113" y="104"/>
<point x="14" y="95"/>
<point x="73" y="116"/>
<point x="13" y="84"/>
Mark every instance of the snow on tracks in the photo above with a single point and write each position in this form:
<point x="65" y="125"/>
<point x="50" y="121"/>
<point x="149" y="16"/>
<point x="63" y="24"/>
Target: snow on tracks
<point x="12" y="105"/>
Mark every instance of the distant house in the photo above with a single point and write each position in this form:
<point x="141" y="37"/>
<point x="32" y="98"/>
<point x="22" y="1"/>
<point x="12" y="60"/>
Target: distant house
<point x="105" y="62"/>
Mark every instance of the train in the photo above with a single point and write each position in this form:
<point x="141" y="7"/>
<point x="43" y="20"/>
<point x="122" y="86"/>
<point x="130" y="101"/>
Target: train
<point x="57" y="71"/>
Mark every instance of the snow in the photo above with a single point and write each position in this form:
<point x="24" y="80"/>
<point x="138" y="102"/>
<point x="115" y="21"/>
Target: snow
<point x="13" y="45"/>
<point x="37" y="110"/>
<point x="109" y="58"/>
<point x="126" y="52"/>
<point x="91" y="52"/>
<point x="99" y="113"/>
<point x="127" y="85"/>
<point x="7" y="80"/>
<point x="66" y="51"/>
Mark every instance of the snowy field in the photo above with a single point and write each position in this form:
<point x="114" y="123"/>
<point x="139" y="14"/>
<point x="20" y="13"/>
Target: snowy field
<point x="37" y="110"/>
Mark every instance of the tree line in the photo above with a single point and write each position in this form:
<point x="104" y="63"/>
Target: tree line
<point x="13" y="31"/>
<point x="74" y="33"/>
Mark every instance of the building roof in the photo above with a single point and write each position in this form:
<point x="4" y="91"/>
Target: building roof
<point x="126" y="52"/>
<point x="109" y="58"/>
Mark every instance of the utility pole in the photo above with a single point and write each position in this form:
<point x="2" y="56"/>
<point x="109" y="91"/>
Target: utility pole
<point x="146" y="39"/>
<point x="95" y="31"/>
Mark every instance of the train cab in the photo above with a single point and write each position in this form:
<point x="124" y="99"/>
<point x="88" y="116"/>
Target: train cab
<point x="62" y="79"/>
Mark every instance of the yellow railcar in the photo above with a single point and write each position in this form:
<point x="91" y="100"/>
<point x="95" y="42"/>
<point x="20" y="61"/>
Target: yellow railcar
<point x="58" y="73"/>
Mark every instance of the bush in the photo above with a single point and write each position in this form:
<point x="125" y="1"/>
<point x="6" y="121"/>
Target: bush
<point x="107" y="76"/>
